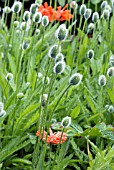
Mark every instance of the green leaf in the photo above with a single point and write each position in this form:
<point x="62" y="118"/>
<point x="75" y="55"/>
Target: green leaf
<point x="75" y="112"/>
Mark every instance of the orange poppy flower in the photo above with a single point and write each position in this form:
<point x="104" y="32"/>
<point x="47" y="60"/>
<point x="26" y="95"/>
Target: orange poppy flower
<point x="46" y="10"/>
<point x="54" y="138"/>
<point x="65" y="15"/>
<point x="59" y="14"/>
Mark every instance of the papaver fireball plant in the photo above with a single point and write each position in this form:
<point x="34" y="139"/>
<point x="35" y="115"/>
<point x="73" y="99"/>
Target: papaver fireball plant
<point x="54" y="138"/>
<point x="60" y="14"/>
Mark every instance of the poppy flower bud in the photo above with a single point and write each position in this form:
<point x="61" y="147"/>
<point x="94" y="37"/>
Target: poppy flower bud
<point x="45" y="21"/>
<point x="33" y="8"/>
<point x="59" y="67"/>
<point x="44" y="99"/>
<point x="106" y="14"/>
<point x="37" y="32"/>
<point x="9" y="77"/>
<point x="25" y="45"/>
<point x="16" y="8"/>
<point x="7" y="9"/>
<point x="37" y="17"/>
<point x="102" y="80"/>
<point x="20" y="96"/>
<point x="112" y="60"/>
<point x="59" y="57"/>
<point x="23" y="26"/>
<point x="90" y="27"/>
<point x="61" y="33"/>
<point x="1" y="106"/>
<point x="16" y="24"/>
<point x="110" y="72"/>
<point x="66" y="121"/>
<point x="95" y="17"/>
<point x="90" y="54"/>
<point x="2" y="113"/>
<point x="111" y="109"/>
<point x="26" y="16"/>
<point x="46" y="80"/>
<point x="87" y="13"/>
<point x="54" y="50"/>
<point x="82" y="9"/>
<point x="75" y="79"/>
<point x="104" y="4"/>
<point x="74" y="5"/>
<point x="108" y="8"/>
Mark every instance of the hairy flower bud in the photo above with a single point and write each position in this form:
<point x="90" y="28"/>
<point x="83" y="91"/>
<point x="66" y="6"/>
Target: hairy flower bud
<point x="66" y="121"/>
<point x="87" y="13"/>
<point x="37" y="32"/>
<point x="2" y="113"/>
<point x="111" y="109"/>
<point x="112" y="60"/>
<point x="9" y="77"/>
<point x="7" y="9"/>
<point x="16" y="24"/>
<point x="59" y="67"/>
<point x="74" y="5"/>
<point x="25" y="45"/>
<point x="23" y="26"/>
<point x="54" y="50"/>
<point x="110" y="72"/>
<point x="45" y="21"/>
<point x="37" y="17"/>
<point x="16" y="8"/>
<point x="46" y="80"/>
<point x="61" y="33"/>
<point x="26" y="16"/>
<point x="90" y="54"/>
<point x="95" y="17"/>
<point x="59" y="57"/>
<point x="104" y="4"/>
<point x="82" y="9"/>
<point x="33" y="8"/>
<point x="102" y="80"/>
<point x="20" y="96"/>
<point x="106" y="14"/>
<point x="75" y="79"/>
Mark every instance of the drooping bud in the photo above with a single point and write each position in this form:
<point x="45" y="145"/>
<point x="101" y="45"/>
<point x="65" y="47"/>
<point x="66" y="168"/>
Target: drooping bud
<point x="59" y="57"/>
<point x="110" y="72"/>
<point x="9" y="77"/>
<point x="66" y="121"/>
<point x="54" y="50"/>
<point x="59" y="67"/>
<point x="75" y="79"/>
<point x="90" y="54"/>
<point x="87" y="13"/>
<point x="102" y="80"/>
<point x="61" y="33"/>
